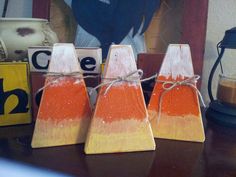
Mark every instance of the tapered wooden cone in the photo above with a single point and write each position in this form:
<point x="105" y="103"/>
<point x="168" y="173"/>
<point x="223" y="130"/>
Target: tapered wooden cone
<point x="64" y="112"/>
<point x="180" y="116"/>
<point x="120" y="122"/>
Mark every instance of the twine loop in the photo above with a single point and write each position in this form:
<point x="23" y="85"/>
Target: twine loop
<point x="57" y="75"/>
<point x="188" y="82"/>
<point x="170" y="85"/>
<point x="127" y="78"/>
<point x="191" y="82"/>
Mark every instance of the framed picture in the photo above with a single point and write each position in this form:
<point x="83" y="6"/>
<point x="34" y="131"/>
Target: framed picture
<point x="181" y="21"/>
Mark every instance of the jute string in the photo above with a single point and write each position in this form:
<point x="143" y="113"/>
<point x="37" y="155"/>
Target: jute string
<point x="170" y="85"/>
<point x="130" y="77"/>
<point x="56" y="76"/>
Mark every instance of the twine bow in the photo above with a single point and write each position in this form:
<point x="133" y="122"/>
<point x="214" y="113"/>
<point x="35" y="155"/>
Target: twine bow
<point x="127" y="78"/>
<point x="170" y="85"/>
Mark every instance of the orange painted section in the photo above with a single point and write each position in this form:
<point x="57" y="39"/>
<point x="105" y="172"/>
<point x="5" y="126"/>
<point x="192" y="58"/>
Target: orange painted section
<point x="121" y="102"/>
<point x="182" y="100"/>
<point x="67" y="100"/>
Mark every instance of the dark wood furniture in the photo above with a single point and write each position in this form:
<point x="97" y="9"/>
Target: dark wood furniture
<point x="214" y="158"/>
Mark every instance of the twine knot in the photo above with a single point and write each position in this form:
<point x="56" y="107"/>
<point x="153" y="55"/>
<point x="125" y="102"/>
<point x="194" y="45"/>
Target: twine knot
<point x="126" y="78"/>
<point x="169" y="85"/>
<point x="57" y="75"/>
<point x="189" y="82"/>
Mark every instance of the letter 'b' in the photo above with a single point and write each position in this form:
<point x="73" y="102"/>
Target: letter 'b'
<point x="22" y="96"/>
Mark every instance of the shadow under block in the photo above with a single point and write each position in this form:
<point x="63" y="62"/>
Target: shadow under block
<point x="15" y="107"/>
<point x="180" y="114"/>
<point x="120" y="165"/>
<point x="120" y="121"/>
<point x="64" y="112"/>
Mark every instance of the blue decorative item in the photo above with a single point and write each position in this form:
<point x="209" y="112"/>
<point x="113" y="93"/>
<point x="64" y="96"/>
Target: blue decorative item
<point x="110" y="21"/>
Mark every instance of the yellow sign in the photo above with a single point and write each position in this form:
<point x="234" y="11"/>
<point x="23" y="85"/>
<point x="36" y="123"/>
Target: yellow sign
<point x="14" y="94"/>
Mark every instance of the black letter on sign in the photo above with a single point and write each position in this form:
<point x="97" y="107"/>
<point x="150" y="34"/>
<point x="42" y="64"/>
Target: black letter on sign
<point x="88" y="61"/>
<point x="22" y="96"/>
<point x="34" y="59"/>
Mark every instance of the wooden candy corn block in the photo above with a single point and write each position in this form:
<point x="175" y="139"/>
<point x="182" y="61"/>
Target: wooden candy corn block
<point x="14" y="94"/>
<point x="64" y="112"/>
<point x="120" y="122"/>
<point x="39" y="58"/>
<point x="180" y="116"/>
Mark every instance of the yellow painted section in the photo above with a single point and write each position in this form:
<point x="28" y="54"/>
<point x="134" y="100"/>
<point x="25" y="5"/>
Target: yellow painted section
<point x="52" y="133"/>
<point x="184" y="128"/>
<point x="14" y="76"/>
<point x="119" y="136"/>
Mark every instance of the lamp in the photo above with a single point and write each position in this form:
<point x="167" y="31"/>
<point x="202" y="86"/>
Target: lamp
<point x="223" y="109"/>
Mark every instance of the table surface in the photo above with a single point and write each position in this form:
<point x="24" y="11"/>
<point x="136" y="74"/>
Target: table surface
<point x="214" y="158"/>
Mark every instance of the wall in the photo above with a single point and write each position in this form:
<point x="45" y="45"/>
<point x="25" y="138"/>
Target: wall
<point x="221" y="16"/>
<point x="17" y="8"/>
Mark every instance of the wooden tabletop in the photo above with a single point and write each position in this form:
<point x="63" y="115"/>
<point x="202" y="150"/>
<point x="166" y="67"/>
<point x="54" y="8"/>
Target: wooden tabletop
<point x="214" y="158"/>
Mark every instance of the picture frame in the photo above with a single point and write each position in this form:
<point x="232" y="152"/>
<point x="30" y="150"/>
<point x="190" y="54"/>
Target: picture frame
<point x="193" y="27"/>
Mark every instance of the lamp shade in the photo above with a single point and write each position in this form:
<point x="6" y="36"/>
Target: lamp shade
<point x="229" y="40"/>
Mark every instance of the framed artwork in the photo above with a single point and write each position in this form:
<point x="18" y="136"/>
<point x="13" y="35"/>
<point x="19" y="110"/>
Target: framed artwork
<point x="175" y="21"/>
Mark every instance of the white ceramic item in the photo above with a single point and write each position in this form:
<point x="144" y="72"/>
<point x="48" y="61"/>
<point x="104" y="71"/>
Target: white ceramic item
<point x="17" y="34"/>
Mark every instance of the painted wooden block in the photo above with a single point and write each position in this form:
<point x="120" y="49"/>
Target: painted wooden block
<point x="37" y="82"/>
<point x="14" y="94"/>
<point x="89" y="59"/>
<point x="120" y="121"/>
<point x="175" y="114"/>
<point x="64" y="112"/>
<point x="39" y="58"/>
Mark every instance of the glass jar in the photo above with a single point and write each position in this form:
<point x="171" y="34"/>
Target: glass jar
<point x="226" y="92"/>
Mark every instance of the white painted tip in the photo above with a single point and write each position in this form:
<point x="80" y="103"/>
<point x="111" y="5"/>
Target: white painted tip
<point x="177" y="62"/>
<point x="120" y="61"/>
<point x="64" y="58"/>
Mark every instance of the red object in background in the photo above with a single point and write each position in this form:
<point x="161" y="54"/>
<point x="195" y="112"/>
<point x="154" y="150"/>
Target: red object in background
<point x="41" y="9"/>
<point x="150" y="64"/>
<point x="37" y="81"/>
<point x="193" y="24"/>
